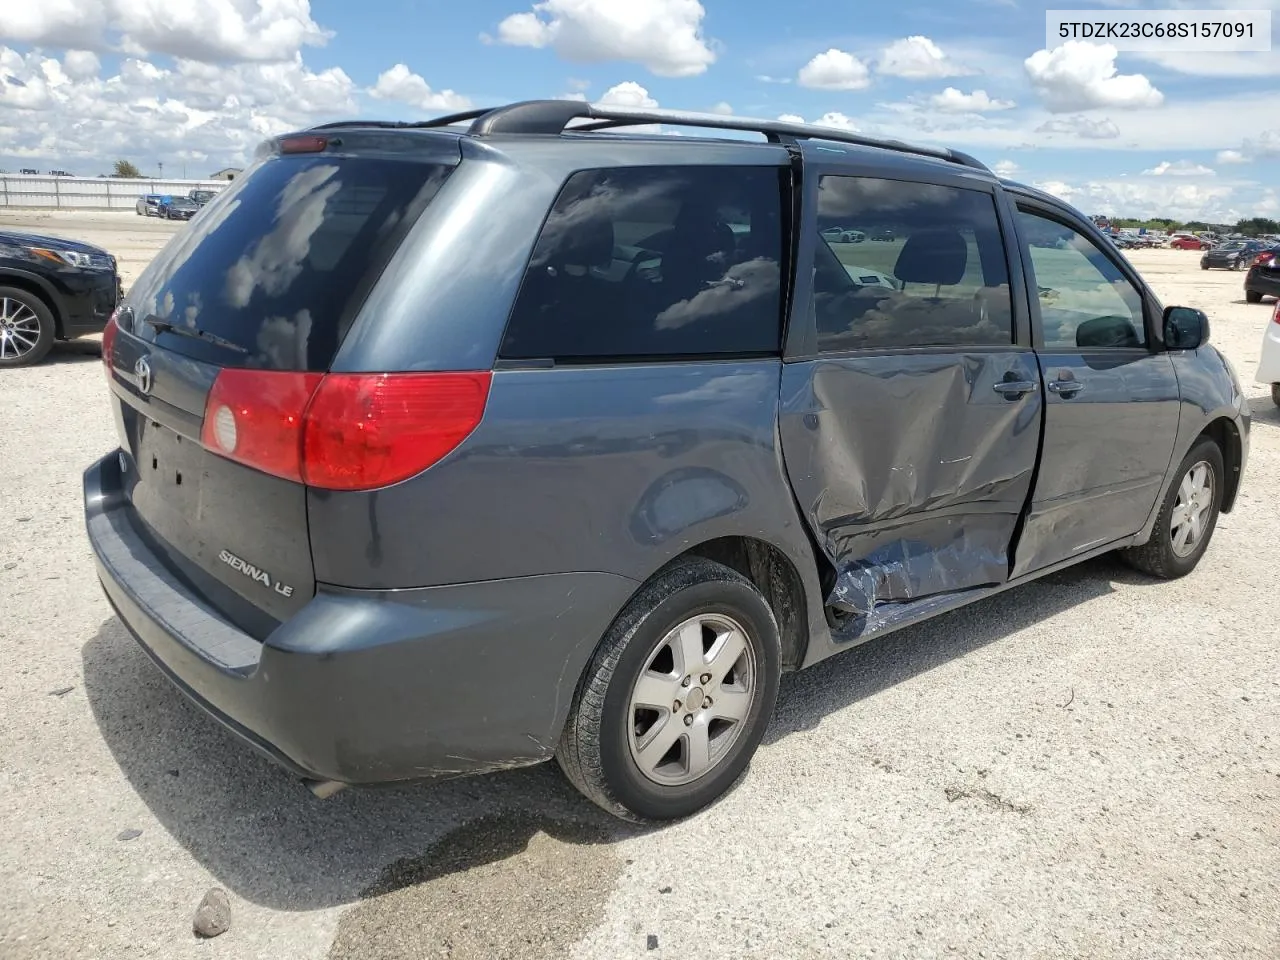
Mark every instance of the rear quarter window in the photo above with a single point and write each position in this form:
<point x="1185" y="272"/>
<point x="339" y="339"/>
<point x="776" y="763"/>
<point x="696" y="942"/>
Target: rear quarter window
<point x="273" y="270"/>
<point x="653" y="263"/>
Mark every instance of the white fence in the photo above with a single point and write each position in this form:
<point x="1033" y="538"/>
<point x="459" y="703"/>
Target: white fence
<point x="90" y="193"/>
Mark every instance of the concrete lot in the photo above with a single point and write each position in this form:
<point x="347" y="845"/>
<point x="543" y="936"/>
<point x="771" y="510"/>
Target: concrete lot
<point x="1085" y="767"/>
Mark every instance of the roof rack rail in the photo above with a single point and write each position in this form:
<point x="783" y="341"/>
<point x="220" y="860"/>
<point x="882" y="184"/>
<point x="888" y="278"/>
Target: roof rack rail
<point x="444" y="121"/>
<point x="552" y="117"/>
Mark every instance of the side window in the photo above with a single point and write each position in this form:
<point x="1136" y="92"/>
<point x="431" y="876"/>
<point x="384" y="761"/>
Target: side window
<point x="653" y="262"/>
<point x="901" y="264"/>
<point x="1085" y="301"/>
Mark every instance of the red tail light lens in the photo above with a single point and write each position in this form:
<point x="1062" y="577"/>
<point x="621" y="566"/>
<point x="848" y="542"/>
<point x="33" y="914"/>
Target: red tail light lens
<point x="341" y="431"/>
<point x="109" y="341"/>
<point x="370" y="431"/>
<point x="1275" y="317"/>
<point x="255" y="417"/>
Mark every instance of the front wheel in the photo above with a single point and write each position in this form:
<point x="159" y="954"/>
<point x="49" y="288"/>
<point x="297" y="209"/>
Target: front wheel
<point x="1187" y="518"/>
<point x="677" y="696"/>
<point x="1252" y="296"/>
<point x="27" y="328"/>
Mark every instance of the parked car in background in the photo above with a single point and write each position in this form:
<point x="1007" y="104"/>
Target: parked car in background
<point x="148" y="205"/>
<point x="647" y="346"/>
<point x="201" y="197"/>
<point x="178" y="208"/>
<point x="1186" y="241"/>
<point x="1269" y="363"/>
<point x="1232" y="255"/>
<point x="1263" y="278"/>
<point x="51" y="289"/>
<point x="843" y="235"/>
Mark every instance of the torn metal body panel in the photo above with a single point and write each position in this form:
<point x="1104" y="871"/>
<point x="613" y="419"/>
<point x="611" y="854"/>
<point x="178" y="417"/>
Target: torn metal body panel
<point x="911" y="470"/>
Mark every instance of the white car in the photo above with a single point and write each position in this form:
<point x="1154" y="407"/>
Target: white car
<point x="1269" y="364"/>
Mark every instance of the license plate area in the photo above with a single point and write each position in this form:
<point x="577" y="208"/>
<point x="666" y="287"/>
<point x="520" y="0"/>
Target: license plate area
<point x="169" y="467"/>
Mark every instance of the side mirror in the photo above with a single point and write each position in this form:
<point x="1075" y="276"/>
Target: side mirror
<point x="1185" y="328"/>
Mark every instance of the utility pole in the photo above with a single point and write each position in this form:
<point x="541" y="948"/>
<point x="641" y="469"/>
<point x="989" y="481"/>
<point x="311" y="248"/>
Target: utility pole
<point x="160" y="164"/>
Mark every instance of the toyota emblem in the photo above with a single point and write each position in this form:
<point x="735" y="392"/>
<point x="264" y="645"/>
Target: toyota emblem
<point x="142" y="370"/>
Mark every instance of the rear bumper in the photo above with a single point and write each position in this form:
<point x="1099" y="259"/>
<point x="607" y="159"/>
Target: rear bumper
<point x="1260" y="282"/>
<point x="366" y="686"/>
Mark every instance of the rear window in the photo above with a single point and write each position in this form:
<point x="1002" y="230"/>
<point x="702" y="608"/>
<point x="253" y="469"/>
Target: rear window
<point x="652" y="263"/>
<point x="273" y="271"/>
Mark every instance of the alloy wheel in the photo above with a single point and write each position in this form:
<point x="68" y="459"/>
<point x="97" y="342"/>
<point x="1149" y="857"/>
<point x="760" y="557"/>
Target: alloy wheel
<point x="1195" y="498"/>
<point x="19" y="329"/>
<point x="691" y="702"/>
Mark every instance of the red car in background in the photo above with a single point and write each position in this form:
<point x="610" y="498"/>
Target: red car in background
<point x="1184" y="242"/>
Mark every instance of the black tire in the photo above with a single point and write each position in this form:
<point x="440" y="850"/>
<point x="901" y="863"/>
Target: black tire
<point x="44" y="334"/>
<point x="1252" y="296"/>
<point x="1157" y="556"/>
<point x="595" y="751"/>
<point x="1275" y="394"/>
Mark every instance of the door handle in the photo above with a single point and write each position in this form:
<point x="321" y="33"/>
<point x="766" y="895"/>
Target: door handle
<point x="1012" y="389"/>
<point x="1065" y="388"/>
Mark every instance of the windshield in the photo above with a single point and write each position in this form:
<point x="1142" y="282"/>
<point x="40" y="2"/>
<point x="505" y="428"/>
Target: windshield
<point x="277" y="270"/>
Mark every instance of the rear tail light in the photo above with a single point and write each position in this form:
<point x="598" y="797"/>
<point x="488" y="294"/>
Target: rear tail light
<point x="109" y="340"/>
<point x="1275" y="317"/>
<point x="342" y="431"/>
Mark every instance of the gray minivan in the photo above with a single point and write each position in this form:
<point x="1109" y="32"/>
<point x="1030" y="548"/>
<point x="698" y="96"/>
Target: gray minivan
<point x="454" y="446"/>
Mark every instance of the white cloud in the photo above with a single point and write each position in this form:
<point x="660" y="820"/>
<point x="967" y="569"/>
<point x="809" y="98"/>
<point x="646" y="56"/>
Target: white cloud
<point x="628" y="94"/>
<point x="835" y="70"/>
<point x="918" y="58"/>
<point x="1139" y="198"/>
<point x="1179" y="168"/>
<point x="952" y="100"/>
<point x="723" y="108"/>
<point x="208" y="30"/>
<point x="210" y="116"/>
<point x="1265" y="146"/>
<point x="81" y="64"/>
<point x="1081" y="76"/>
<point x="1006" y="168"/>
<point x="1086" y="128"/>
<point x="837" y="120"/>
<point x="402" y="85"/>
<point x="831" y="119"/>
<point x="765" y="78"/>
<point x="665" y="36"/>
<point x="1216" y="64"/>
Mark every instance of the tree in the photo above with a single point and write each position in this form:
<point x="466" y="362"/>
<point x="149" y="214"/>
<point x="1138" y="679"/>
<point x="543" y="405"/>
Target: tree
<point x="126" y="170"/>
<point x="1257" y="225"/>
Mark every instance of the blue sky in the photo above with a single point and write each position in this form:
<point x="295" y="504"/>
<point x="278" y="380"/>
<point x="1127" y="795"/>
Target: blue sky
<point x="196" y="83"/>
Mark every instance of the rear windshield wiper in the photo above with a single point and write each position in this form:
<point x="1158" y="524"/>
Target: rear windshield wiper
<point x="164" y="326"/>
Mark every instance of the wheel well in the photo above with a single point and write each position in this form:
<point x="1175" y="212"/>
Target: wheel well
<point x="1224" y="433"/>
<point x="776" y="577"/>
<point x="22" y="283"/>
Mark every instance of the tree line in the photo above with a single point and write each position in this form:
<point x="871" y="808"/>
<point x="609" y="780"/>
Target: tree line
<point x="1252" y="227"/>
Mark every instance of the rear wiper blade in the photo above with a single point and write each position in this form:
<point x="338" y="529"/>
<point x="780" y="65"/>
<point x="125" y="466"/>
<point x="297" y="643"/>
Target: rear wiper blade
<point x="164" y="326"/>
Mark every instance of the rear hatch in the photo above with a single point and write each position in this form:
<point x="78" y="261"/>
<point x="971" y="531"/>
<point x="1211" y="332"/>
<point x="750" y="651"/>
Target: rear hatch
<point x="240" y="315"/>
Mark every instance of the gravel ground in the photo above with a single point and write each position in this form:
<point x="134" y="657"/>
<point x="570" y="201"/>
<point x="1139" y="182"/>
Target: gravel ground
<point x="1088" y="766"/>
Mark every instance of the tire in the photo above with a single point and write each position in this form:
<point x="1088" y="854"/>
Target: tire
<point x="27" y="328"/>
<point x="603" y="737"/>
<point x="1158" y="556"/>
<point x="1252" y="296"/>
<point x="1275" y="394"/>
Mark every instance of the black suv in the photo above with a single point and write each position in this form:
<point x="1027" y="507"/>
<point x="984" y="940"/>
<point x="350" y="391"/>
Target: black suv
<point x="51" y="289"/>
<point x="460" y="445"/>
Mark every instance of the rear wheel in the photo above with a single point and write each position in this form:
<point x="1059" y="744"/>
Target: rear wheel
<point x="677" y="697"/>
<point x="1252" y="296"/>
<point x="1187" y="518"/>
<point x="26" y="328"/>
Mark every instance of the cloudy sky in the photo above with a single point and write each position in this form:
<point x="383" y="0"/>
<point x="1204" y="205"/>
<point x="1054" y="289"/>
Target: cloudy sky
<point x="196" y="84"/>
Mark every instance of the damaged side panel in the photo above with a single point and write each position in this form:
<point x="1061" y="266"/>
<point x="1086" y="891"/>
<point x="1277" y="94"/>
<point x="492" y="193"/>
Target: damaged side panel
<point x="912" y="471"/>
